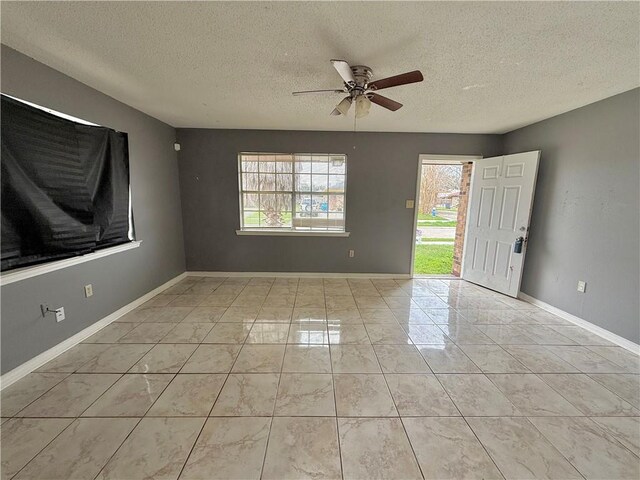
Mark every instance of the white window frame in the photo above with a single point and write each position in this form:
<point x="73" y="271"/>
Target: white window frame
<point x="289" y="231"/>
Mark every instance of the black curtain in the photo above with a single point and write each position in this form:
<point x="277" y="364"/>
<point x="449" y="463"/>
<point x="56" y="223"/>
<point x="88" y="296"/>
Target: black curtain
<point x="65" y="186"/>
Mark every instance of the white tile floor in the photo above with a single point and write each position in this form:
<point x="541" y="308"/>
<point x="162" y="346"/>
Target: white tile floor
<point x="311" y="378"/>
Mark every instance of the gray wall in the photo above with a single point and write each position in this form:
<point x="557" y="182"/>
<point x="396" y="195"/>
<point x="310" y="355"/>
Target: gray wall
<point x="117" y="279"/>
<point x="585" y="223"/>
<point x="381" y="175"/>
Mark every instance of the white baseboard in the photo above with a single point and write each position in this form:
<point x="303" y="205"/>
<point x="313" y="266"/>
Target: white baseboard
<point x="606" y="334"/>
<point x="299" y="274"/>
<point x="36" y="362"/>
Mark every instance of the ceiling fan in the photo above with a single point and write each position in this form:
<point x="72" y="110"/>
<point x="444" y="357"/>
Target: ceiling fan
<point x="361" y="91"/>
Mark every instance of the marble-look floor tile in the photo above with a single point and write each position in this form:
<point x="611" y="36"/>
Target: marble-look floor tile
<point x="23" y="438"/>
<point x="376" y="448"/>
<point x="543" y="335"/>
<point x="157" y="448"/>
<point x="462" y="334"/>
<point x="309" y="333"/>
<point x="348" y="334"/>
<point x="506" y="334"/>
<point x="212" y="358"/>
<point x="228" y="333"/>
<point x="309" y="314"/>
<point x="218" y="300"/>
<point x="161" y="300"/>
<point x="400" y="359"/>
<point x="539" y="359"/>
<point x="248" y="300"/>
<point x="519" y="450"/>
<point x="280" y="300"/>
<point x="354" y="359"/>
<point x="168" y="314"/>
<point x="623" y="357"/>
<point x="111" y="333"/>
<point x="189" y="394"/>
<point x="302" y="447"/>
<point x="164" y="358"/>
<point x="268" y="333"/>
<point x="305" y="395"/>
<point x="493" y="359"/>
<point x="131" y="396"/>
<point x="377" y="315"/>
<point x="585" y="360"/>
<point x="589" y="396"/>
<point x="188" y="333"/>
<point x="475" y="395"/>
<point x="420" y="395"/>
<point x="531" y="396"/>
<point x="247" y="395"/>
<point x="594" y="453"/>
<point x="624" y="429"/>
<point x="74" y="358"/>
<point x="259" y="359"/>
<point x="581" y="336"/>
<point x="344" y="315"/>
<point x="204" y="315"/>
<point x="136" y="316"/>
<point x="117" y="358"/>
<point x="81" y="450"/>
<point x="413" y="316"/>
<point x="21" y="393"/>
<point x="426" y="334"/>
<point x="387" y="334"/>
<point x="274" y="315"/>
<point x="147" y="333"/>
<point x="307" y="359"/>
<point x="188" y="300"/>
<point x="71" y="396"/>
<point x="240" y="314"/>
<point x="229" y="448"/>
<point x="363" y="395"/>
<point x="446" y="448"/>
<point x="447" y="358"/>
<point x="626" y="386"/>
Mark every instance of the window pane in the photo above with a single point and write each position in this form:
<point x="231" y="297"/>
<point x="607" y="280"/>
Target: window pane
<point x="303" y="183"/>
<point x="269" y="167"/>
<point x="321" y="203"/>
<point x="250" y="181"/>
<point x="249" y="165"/>
<point x="337" y="164"/>
<point x="250" y="201"/>
<point x="320" y="183"/>
<point x="284" y="183"/>
<point x="303" y="204"/>
<point x="336" y="203"/>
<point x="336" y="183"/>
<point x="320" y="165"/>
<point x="303" y="167"/>
<point x="283" y="167"/>
<point x="251" y="219"/>
<point x="267" y="182"/>
<point x="276" y="208"/>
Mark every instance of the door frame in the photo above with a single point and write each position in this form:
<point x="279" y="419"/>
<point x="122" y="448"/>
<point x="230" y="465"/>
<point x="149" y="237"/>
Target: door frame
<point x="433" y="159"/>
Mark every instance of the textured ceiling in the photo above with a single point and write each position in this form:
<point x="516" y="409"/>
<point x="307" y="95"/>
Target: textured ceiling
<point x="488" y="67"/>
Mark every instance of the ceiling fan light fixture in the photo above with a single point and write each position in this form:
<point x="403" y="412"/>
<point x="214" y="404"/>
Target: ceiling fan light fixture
<point x="363" y="104"/>
<point x="344" y="105"/>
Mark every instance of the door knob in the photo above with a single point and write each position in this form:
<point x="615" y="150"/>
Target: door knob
<point x="517" y="247"/>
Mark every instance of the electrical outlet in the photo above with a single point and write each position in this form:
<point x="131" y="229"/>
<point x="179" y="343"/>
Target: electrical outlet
<point x="88" y="291"/>
<point x="352" y="253"/>
<point x="409" y="204"/>
<point x="582" y="286"/>
<point x="59" y="314"/>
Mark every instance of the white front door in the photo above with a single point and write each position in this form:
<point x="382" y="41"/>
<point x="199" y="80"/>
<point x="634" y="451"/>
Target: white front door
<point x="498" y="216"/>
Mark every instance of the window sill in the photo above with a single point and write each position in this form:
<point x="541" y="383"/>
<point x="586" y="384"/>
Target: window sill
<point x="29" y="272"/>
<point x="289" y="233"/>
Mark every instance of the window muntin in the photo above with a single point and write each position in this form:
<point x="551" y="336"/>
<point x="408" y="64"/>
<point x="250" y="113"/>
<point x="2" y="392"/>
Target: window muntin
<point x="296" y="192"/>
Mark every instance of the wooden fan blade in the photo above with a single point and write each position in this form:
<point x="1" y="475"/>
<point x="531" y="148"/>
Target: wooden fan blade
<point x="344" y="70"/>
<point x="402" y="79"/>
<point x="305" y="92"/>
<point x="384" y="102"/>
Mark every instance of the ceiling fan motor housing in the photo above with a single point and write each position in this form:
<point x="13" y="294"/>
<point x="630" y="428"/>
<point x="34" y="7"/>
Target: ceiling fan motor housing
<point x="362" y="75"/>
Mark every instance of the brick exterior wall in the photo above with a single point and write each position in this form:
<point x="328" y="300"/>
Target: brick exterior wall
<point x="465" y="182"/>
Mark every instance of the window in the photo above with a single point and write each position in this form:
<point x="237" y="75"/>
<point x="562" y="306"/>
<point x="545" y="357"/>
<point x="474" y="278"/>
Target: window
<point x="65" y="186"/>
<point x="297" y="192"/>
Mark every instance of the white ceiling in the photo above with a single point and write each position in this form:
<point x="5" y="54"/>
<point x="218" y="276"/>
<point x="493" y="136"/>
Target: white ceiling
<point x="488" y="67"/>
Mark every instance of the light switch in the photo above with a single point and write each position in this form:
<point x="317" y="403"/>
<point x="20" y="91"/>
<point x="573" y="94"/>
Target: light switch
<point x="409" y="204"/>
